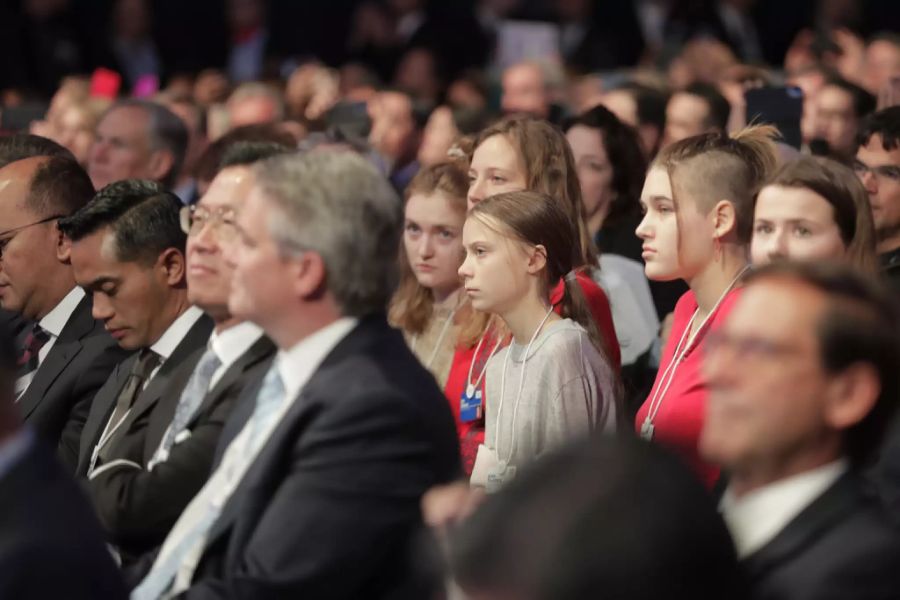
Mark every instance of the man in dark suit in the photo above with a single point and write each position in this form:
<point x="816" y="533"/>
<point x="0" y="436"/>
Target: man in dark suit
<point x="322" y="465"/>
<point x="50" y="544"/>
<point x="66" y="355"/>
<point x="804" y="379"/>
<point x="128" y="254"/>
<point x="139" y="503"/>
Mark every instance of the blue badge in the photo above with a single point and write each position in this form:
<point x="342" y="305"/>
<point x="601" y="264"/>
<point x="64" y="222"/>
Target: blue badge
<point x="470" y="405"/>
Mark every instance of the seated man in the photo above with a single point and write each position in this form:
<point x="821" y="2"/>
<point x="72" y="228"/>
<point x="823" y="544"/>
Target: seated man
<point x="50" y="544"/>
<point x="138" y="502"/>
<point x="804" y="381"/>
<point x="322" y="466"/>
<point x="128" y="255"/>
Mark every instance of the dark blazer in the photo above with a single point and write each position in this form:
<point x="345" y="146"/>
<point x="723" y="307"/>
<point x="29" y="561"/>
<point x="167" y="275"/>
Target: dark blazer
<point x="58" y="401"/>
<point x="50" y="543"/>
<point x="329" y="506"/>
<point x="137" y="508"/>
<point x="840" y="547"/>
<point x="129" y="440"/>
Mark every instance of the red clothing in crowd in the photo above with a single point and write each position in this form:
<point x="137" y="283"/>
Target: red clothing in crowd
<point x="679" y="420"/>
<point x="471" y="434"/>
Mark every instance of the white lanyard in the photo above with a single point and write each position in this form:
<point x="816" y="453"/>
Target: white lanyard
<point x="104" y="438"/>
<point x="512" y="445"/>
<point x="681" y="350"/>
<point x="471" y="387"/>
<point x="440" y="340"/>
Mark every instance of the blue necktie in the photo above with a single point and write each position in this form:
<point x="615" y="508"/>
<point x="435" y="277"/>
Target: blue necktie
<point x="191" y="398"/>
<point x="270" y="398"/>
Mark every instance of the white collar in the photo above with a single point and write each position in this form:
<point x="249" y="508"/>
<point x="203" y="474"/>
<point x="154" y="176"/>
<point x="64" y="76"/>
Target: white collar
<point x="54" y="321"/>
<point x="173" y="336"/>
<point x="297" y="364"/>
<point x="230" y="344"/>
<point x="756" y="518"/>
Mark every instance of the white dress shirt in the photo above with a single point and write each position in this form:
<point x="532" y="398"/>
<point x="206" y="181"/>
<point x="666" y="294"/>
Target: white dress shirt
<point x="295" y="366"/>
<point x="173" y="336"/>
<point x="231" y="344"/>
<point x="53" y="323"/>
<point x="757" y="517"/>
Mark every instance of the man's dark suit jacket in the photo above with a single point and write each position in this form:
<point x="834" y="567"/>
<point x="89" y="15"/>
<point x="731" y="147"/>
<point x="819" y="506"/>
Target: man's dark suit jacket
<point x="841" y="547"/>
<point x="329" y="506"/>
<point x="50" y="543"/>
<point x="137" y="508"/>
<point x="128" y="443"/>
<point x="58" y="401"/>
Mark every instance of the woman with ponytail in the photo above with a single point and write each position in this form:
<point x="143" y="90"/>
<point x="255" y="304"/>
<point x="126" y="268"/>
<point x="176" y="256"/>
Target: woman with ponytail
<point x="552" y="383"/>
<point x="698" y="204"/>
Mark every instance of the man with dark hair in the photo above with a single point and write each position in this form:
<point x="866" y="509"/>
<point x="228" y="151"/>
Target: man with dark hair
<point x="138" y="502"/>
<point x="66" y="356"/>
<point x="877" y="164"/>
<point x="698" y="108"/>
<point x="643" y="108"/>
<point x="50" y="544"/>
<point x="840" y="107"/>
<point x="137" y="139"/>
<point x="25" y="145"/>
<point x="128" y="253"/>
<point x="561" y="532"/>
<point x="804" y="380"/>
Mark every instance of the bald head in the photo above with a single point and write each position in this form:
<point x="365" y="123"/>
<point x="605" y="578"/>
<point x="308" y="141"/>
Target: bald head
<point x="45" y="185"/>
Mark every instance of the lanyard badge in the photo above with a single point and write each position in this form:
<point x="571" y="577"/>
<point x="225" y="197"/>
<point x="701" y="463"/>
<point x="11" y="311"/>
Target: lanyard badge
<point x="470" y="404"/>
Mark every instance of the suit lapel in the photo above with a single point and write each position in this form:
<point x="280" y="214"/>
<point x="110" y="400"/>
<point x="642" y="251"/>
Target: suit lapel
<point x="262" y="349"/>
<point x="66" y="347"/>
<point x="293" y="423"/>
<point x="101" y="408"/>
<point x="169" y="373"/>
<point x="838" y="501"/>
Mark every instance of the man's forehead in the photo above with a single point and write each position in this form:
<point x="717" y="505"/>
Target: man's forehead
<point x="875" y="149"/>
<point x="778" y="307"/>
<point x="230" y="187"/>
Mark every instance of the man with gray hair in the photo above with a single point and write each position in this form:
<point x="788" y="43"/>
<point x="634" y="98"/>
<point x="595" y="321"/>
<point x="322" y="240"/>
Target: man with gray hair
<point x="136" y="139"/>
<point x="322" y="465"/>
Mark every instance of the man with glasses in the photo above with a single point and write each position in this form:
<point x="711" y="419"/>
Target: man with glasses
<point x="64" y="355"/>
<point x="804" y="381"/>
<point x="878" y="166"/>
<point x="128" y="254"/>
<point x="139" y="501"/>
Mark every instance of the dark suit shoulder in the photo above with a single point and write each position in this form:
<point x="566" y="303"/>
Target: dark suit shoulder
<point x="46" y="518"/>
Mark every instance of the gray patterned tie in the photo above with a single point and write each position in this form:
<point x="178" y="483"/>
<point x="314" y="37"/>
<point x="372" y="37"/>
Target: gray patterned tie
<point x="191" y="398"/>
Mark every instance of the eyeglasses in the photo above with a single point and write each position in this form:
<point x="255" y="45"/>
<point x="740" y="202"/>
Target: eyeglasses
<point x="7" y="236"/>
<point x="195" y="218"/>
<point x="890" y="172"/>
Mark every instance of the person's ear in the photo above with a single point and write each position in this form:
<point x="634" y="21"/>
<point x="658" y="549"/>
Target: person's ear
<point x="309" y="274"/>
<point x="851" y="395"/>
<point x="537" y="259"/>
<point x="63" y="248"/>
<point x="172" y="264"/>
<point x="724" y="218"/>
<point x="160" y="164"/>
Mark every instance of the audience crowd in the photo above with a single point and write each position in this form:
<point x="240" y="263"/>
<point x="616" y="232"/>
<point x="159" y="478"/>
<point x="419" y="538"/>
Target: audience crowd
<point x="512" y="300"/>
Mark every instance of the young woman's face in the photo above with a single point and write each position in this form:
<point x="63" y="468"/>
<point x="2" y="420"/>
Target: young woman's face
<point x="674" y="247"/>
<point x="495" y="168"/>
<point x="796" y="224"/>
<point x="432" y="238"/>
<point x="595" y="173"/>
<point x="495" y="270"/>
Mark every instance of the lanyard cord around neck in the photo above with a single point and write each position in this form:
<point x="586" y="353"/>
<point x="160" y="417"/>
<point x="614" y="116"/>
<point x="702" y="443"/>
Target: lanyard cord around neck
<point x="681" y="351"/>
<point x="512" y="445"/>
<point x="440" y="339"/>
<point x="471" y="387"/>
